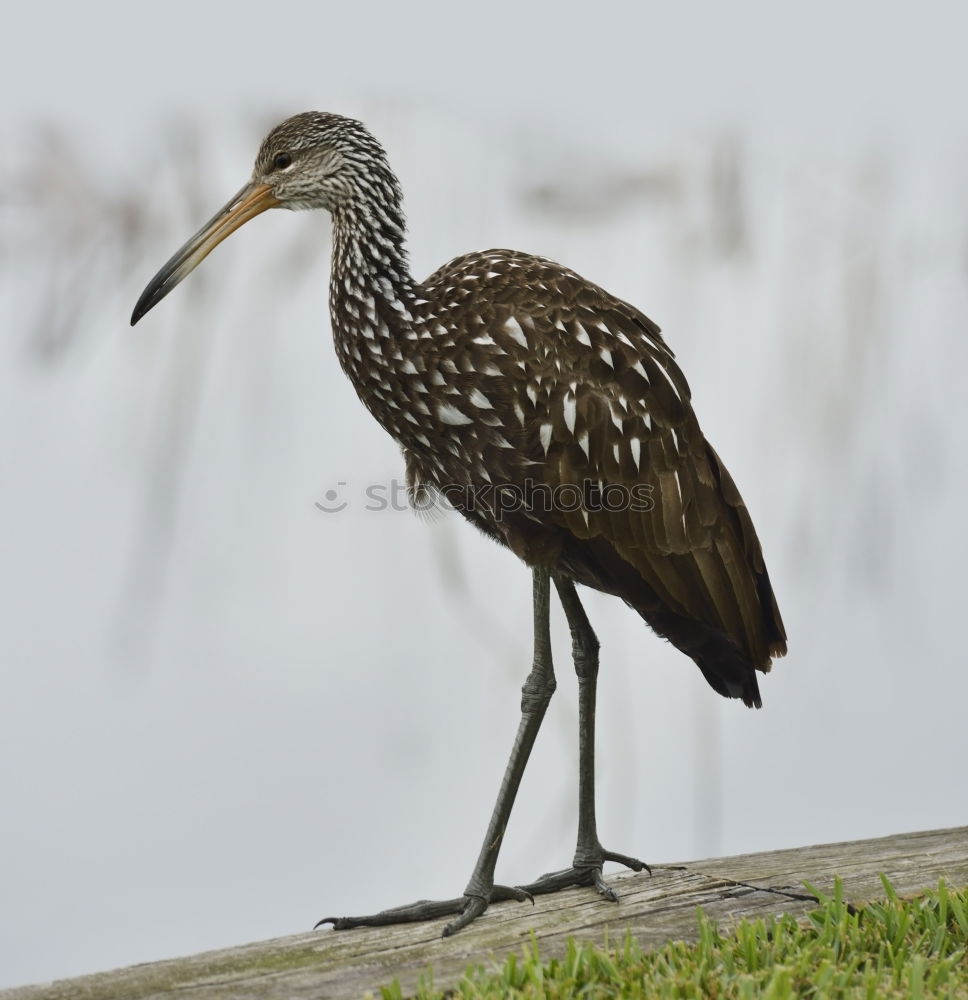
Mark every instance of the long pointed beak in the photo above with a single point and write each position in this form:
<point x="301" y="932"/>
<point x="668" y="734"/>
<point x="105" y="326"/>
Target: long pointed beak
<point x="251" y="201"/>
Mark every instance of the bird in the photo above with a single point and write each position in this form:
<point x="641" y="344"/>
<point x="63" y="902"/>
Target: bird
<point x="554" y="417"/>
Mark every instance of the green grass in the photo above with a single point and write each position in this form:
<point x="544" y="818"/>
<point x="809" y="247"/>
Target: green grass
<point x="896" y="948"/>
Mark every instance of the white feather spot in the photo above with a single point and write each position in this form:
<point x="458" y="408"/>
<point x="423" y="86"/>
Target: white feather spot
<point x="532" y="391"/>
<point x="637" y="367"/>
<point x="570" y="412"/>
<point x="545" y="434"/>
<point x="583" y="442"/>
<point x="636" y="445"/>
<point x="615" y="451"/>
<point x="480" y="400"/>
<point x="583" y="338"/>
<point x="513" y="328"/>
<point x="519" y="412"/>
<point x="606" y="356"/>
<point x="451" y="415"/>
<point x="408" y="367"/>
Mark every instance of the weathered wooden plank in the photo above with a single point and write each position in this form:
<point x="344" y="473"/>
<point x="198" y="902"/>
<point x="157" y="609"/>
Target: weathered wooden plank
<point x="911" y="861"/>
<point x="654" y="909"/>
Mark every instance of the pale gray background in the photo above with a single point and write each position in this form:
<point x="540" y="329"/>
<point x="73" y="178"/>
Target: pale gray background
<point x="224" y="713"/>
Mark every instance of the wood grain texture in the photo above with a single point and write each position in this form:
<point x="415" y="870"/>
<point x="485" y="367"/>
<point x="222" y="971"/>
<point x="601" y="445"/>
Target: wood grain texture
<point x="654" y="909"/>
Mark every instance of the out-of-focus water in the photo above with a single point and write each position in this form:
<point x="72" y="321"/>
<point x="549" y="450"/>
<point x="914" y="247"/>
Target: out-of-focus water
<point x="227" y="713"/>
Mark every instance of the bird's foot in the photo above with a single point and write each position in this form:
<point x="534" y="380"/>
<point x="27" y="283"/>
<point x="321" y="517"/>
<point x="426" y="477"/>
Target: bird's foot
<point x="467" y="908"/>
<point x="586" y="870"/>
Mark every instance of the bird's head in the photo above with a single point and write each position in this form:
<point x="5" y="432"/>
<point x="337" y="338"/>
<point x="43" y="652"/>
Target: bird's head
<point x="312" y="160"/>
<point x="318" y="160"/>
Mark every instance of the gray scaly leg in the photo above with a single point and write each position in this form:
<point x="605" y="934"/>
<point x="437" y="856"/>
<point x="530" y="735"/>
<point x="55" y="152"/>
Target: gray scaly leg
<point x="481" y="890"/>
<point x="589" y="854"/>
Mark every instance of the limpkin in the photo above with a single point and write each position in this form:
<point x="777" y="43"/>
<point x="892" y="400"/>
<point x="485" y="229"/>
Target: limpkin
<point x="554" y="417"/>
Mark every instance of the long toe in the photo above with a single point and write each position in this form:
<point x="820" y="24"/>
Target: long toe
<point x="556" y="881"/>
<point x="424" y="909"/>
<point x="501" y="893"/>
<point x="588" y="872"/>
<point x="624" y="859"/>
<point x="604" y="889"/>
<point x="474" y="906"/>
<point x="467" y="908"/>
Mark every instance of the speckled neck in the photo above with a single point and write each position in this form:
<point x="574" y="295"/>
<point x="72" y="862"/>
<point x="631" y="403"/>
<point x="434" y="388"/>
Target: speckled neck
<point x="370" y="261"/>
<point x="372" y="300"/>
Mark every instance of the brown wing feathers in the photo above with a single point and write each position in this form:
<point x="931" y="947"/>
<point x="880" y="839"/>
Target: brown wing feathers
<point x="699" y="577"/>
<point x="586" y="399"/>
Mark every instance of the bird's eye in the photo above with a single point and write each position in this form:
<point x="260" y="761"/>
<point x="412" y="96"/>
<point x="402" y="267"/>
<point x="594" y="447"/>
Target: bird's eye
<point x="281" y="161"/>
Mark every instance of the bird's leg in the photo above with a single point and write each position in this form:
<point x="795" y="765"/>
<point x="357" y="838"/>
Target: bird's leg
<point x="589" y="854"/>
<point x="481" y="890"/>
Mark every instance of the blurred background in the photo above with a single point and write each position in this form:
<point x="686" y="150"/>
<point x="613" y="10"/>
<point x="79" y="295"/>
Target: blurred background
<point x="226" y="712"/>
